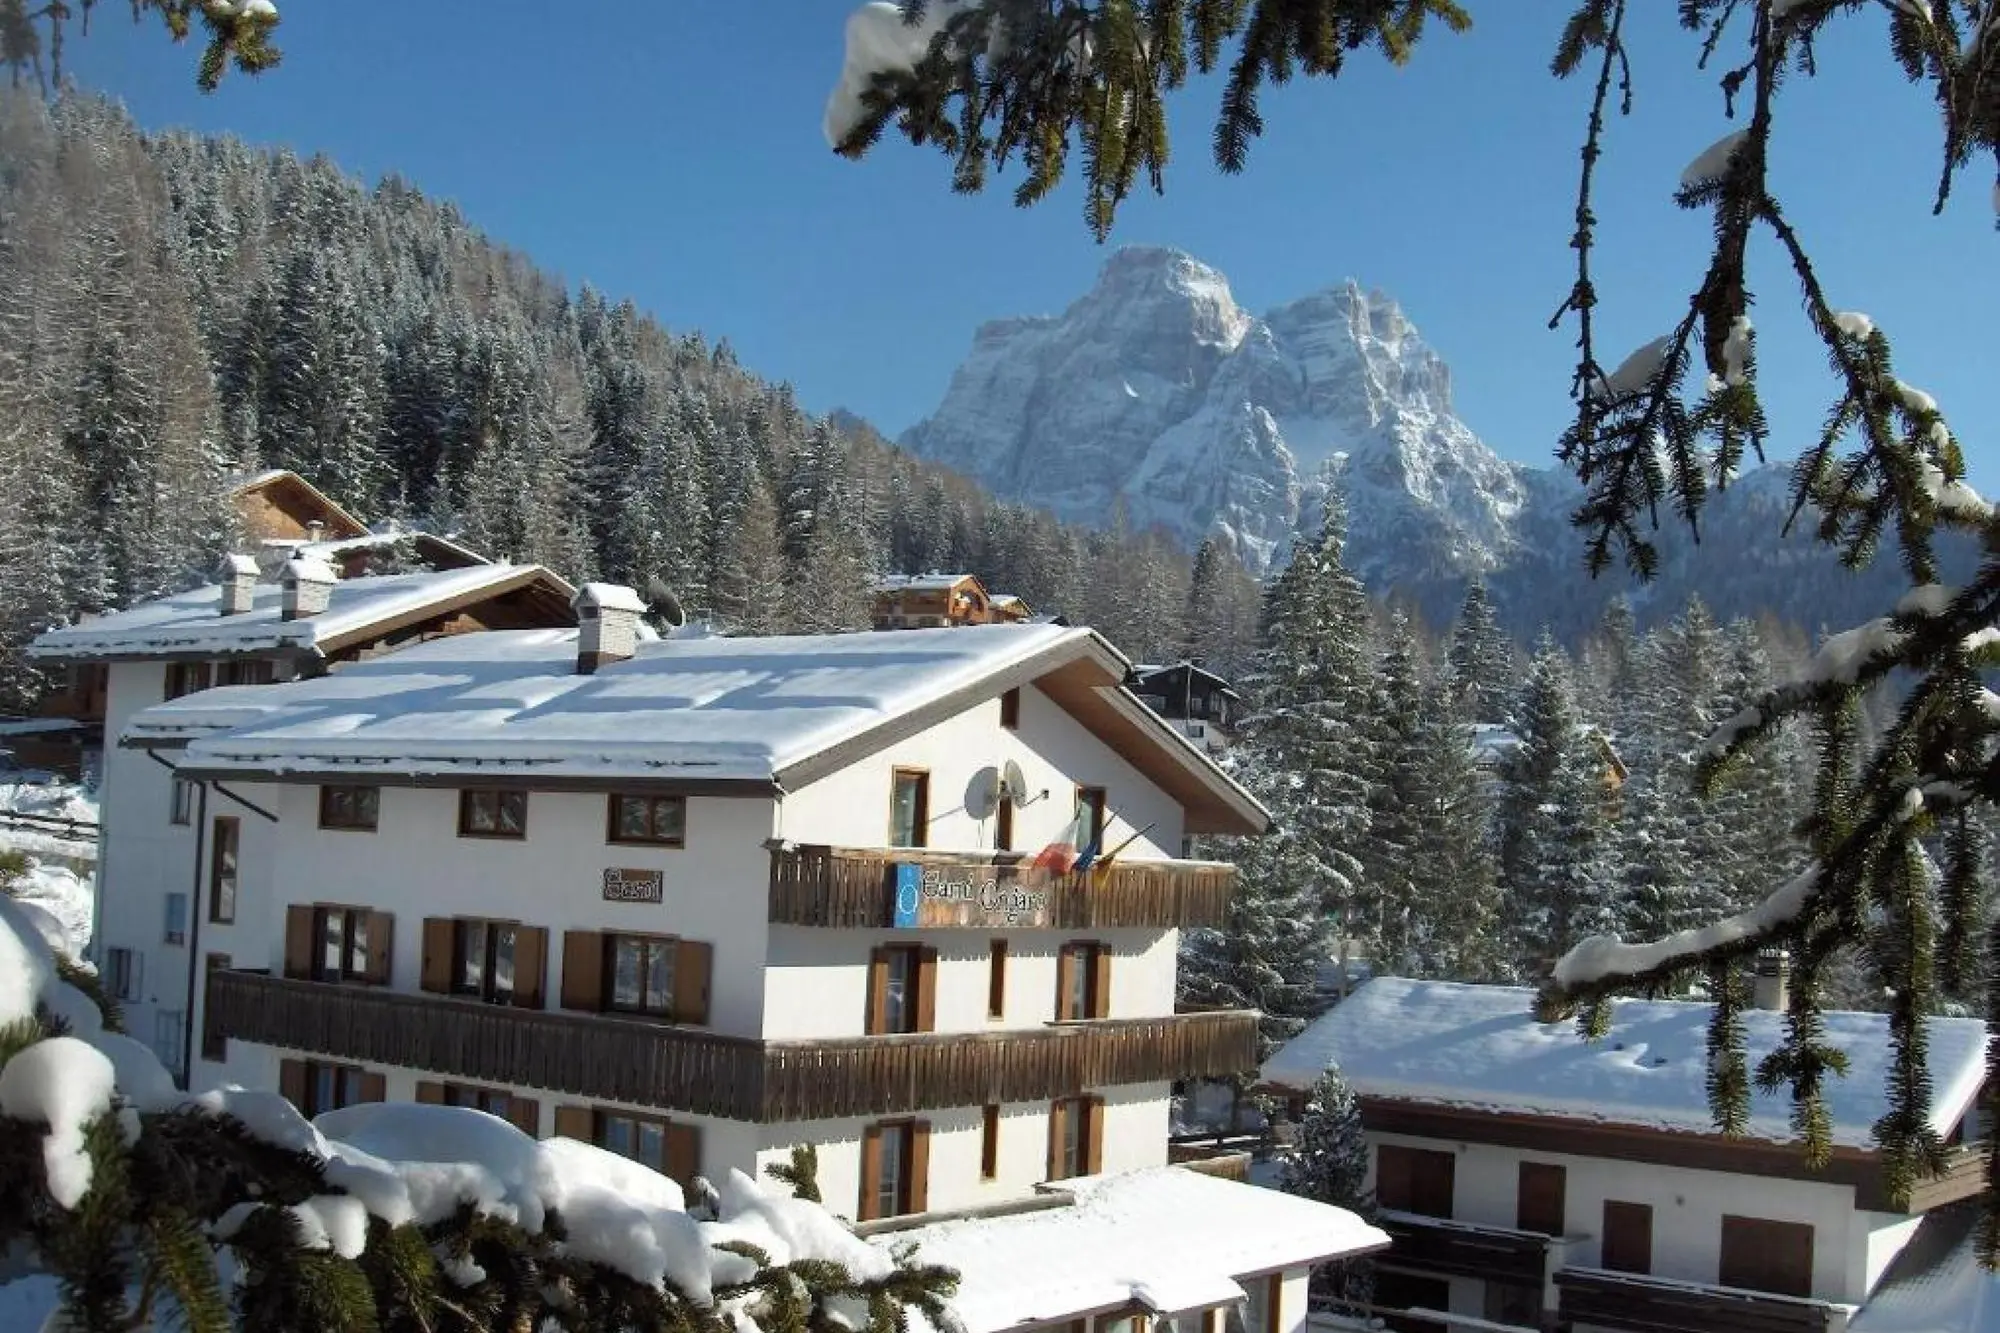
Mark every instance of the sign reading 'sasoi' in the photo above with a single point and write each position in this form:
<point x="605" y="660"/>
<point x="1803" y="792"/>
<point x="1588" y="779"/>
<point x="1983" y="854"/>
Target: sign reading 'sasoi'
<point x="634" y="886"/>
<point x="971" y="896"/>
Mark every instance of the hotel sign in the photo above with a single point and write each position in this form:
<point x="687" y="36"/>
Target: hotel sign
<point x="1015" y="896"/>
<point x="634" y="886"/>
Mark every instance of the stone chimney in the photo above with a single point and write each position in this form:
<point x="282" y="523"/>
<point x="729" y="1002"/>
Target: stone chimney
<point x="1774" y="972"/>
<point x="305" y="587"/>
<point x="238" y="576"/>
<point x="607" y="622"/>
<point x="315" y="531"/>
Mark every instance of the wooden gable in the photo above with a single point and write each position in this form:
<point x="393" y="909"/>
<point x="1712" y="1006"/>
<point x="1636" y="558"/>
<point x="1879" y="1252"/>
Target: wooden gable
<point x="284" y="506"/>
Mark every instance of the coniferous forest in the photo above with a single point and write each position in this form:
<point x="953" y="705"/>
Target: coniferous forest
<point x="178" y="310"/>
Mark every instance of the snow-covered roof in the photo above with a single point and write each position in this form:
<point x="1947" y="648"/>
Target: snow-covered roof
<point x="1479" y="1047"/>
<point x="325" y="503"/>
<point x="192" y="622"/>
<point x="610" y="597"/>
<point x="374" y="541"/>
<point x="1007" y="599"/>
<point x="930" y="582"/>
<point x="1167" y="1237"/>
<point x="1936" y="1285"/>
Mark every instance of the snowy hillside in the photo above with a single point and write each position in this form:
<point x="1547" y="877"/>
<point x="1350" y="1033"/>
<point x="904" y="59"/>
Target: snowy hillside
<point x="1157" y="389"/>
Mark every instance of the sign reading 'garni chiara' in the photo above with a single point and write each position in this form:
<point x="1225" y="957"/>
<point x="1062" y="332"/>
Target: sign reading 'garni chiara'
<point x="971" y="896"/>
<point x="634" y="886"/>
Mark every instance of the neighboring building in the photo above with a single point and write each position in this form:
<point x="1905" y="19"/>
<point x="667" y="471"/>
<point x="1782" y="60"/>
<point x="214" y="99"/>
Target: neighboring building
<point x="1535" y="1179"/>
<point x="936" y="601"/>
<point x="1198" y="702"/>
<point x="281" y="505"/>
<point x="1494" y="745"/>
<point x="236" y="632"/>
<point x="701" y="899"/>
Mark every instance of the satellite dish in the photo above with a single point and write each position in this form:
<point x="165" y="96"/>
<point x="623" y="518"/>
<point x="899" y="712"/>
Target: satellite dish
<point x="1013" y="783"/>
<point x="661" y="602"/>
<point x="983" y="794"/>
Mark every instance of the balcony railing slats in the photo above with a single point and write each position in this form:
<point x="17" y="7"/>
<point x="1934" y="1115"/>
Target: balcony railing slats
<point x="691" y="1069"/>
<point x="849" y="888"/>
<point x="1434" y="1246"/>
<point x="1638" y="1304"/>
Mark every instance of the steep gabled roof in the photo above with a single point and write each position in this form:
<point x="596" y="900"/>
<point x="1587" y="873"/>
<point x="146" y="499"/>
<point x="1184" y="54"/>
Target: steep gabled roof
<point x="339" y="523"/>
<point x="190" y="624"/>
<point x="1479" y="1048"/>
<point x="775" y="711"/>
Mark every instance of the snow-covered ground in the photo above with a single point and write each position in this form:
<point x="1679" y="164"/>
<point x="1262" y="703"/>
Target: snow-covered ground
<point x="64" y="895"/>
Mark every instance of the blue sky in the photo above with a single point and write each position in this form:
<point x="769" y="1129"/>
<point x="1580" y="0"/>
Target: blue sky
<point x="672" y="152"/>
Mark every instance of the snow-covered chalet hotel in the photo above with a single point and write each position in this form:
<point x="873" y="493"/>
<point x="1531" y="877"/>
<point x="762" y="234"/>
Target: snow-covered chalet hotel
<point x="1531" y="1178"/>
<point x="170" y="848"/>
<point x="701" y="899"/>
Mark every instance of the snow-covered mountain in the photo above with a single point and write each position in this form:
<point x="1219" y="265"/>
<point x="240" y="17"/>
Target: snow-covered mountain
<point x="1158" y="390"/>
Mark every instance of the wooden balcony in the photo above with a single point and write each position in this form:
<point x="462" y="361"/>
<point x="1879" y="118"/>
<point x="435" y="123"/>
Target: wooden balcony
<point x="857" y="887"/>
<point x="1462" y="1249"/>
<point x="692" y="1069"/>
<point x="1639" y="1304"/>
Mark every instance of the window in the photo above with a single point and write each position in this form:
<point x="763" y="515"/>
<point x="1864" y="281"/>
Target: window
<point x="342" y="933"/>
<point x="122" y="968"/>
<point x="183" y="808"/>
<point x="1766" y="1256"/>
<point x="1076" y="1137"/>
<point x="1627" y="1237"/>
<point x="186" y="678"/>
<point x="1090" y="803"/>
<point x="243" y="671"/>
<point x="1083" y="982"/>
<point x="318" y="1086"/>
<point x="1539" y="1206"/>
<point x="641" y="971"/>
<point x="355" y="808"/>
<point x="483" y="960"/>
<point x="1010" y="709"/>
<point x="222" y="870"/>
<point x="170" y="1039"/>
<point x="658" y="821"/>
<point x="1003" y="825"/>
<point x="989" y="1142"/>
<point x="996" y="980"/>
<point x="895" y="1166"/>
<point x="902" y="985"/>
<point x="177" y="918"/>
<point x="214" y="1046"/>
<point x="493" y="1101"/>
<point x="1414" y="1180"/>
<point x="669" y="1148"/>
<point x="910" y="808"/>
<point x="485" y="813"/>
<point x="524" y="1112"/>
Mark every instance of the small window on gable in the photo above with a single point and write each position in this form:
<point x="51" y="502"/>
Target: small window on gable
<point x="910" y="808"/>
<point x="186" y="678"/>
<point x="659" y="821"/>
<point x="350" y="807"/>
<point x="1010" y="709"/>
<point x="183" y="807"/>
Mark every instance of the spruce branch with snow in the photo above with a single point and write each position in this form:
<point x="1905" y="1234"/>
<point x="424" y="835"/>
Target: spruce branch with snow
<point x="238" y="31"/>
<point x="1328" y="1162"/>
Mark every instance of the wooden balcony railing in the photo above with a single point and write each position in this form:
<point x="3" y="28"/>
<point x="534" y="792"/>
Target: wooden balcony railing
<point x="1640" y="1304"/>
<point x="684" y="1068"/>
<point x="857" y="887"/>
<point x="1460" y="1249"/>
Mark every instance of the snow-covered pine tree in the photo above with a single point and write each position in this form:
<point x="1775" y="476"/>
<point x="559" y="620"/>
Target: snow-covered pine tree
<point x="1455" y="869"/>
<point x="1391" y="850"/>
<point x="1479" y="665"/>
<point x="1328" y="1163"/>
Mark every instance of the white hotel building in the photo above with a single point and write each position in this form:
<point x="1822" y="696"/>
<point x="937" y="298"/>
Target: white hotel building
<point x="644" y="892"/>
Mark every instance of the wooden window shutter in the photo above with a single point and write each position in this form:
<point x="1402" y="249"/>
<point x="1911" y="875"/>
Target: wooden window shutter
<point x="429" y="1092"/>
<point x="299" y="942"/>
<point x="1540" y="1204"/>
<point x="1058" y="1127"/>
<point x="292" y="1082"/>
<point x="576" y="1122"/>
<point x="1627" y="1245"/>
<point x="531" y="965"/>
<point x="996" y="980"/>
<point x="878" y="992"/>
<point x="381" y="947"/>
<point x="1392" y="1177"/>
<point x="927" y="960"/>
<point x="683" y="1152"/>
<point x="1093" y="1152"/>
<point x="692" y="962"/>
<point x="526" y="1115"/>
<point x="438" y="959"/>
<point x="989" y="1141"/>
<point x="1432" y="1176"/>
<point x="583" y="970"/>
<point x="918" y="1185"/>
<point x="1100" y="981"/>
<point x="374" y="1087"/>
<point x="1066" y="964"/>
<point x="871" y="1173"/>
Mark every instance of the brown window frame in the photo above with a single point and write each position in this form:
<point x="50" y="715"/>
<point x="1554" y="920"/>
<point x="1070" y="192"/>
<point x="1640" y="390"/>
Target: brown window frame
<point x="180" y="811"/>
<point x="1761" y="1240"/>
<point x="301" y="1082"/>
<point x="1634" y="1213"/>
<point x="667" y="946"/>
<point x="244" y="671"/>
<point x="468" y="797"/>
<point x="1089" y="960"/>
<point x="487" y="989"/>
<point x="1087" y="1114"/>
<point x="225" y="834"/>
<point x="989" y="1141"/>
<point x="185" y="678"/>
<point x="677" y="1138"/>
<point x="996" y="980"/>
<point x="1407" y="1180"/>
<point x="912" y="1185"/>
<point x="354" y="961"/>
<point x="1528" y="1196"/>
<point x="524" y="1113"/>
<point x="613" y="825"/>
<point x="919" y="994"/>
<point x="214" y="1045"/>
<point x="1003" y="825"/>
<point x="920" y="832"/>
<point x="1098" y="801"/>
<point x="1010" y="709"/>
<point x="363" y="813"/>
